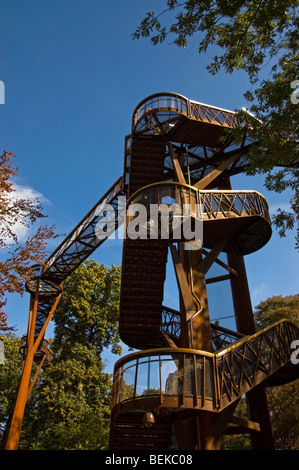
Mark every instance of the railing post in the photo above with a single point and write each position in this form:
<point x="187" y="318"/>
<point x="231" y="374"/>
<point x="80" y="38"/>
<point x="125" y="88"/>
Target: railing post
<point x="216" y="383"/>
<point x="195" y="381"/>
<point x="188" y="108"/>
<point x="160" y="380"/>
<point x="135" y="379"/>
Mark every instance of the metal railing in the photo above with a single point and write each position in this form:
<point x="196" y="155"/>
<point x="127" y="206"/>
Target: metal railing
<point x="212" y="114"/>
<point x="179" y="212"/>
<point x="171" y="325"/>
<point x="169" y="376"/>
<point x="169" y="106"/>
<point x="76" y="248"/>
<point x="252" y="359"/>
<point x="83" y="240"/>
<point x="208" y="204"/>
<point x="170" y="103"/>
<point x="190" y="378"/>
<point x="233" y="203"/>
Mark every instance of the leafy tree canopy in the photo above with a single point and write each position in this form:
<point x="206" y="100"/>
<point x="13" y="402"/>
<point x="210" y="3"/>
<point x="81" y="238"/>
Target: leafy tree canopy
<point x="17" y="258"/>
<point x="10" y="371"/>
<point x="261" y="38"/>
<point x="89" y="308"/>
<point x="283" y="400"/>
<point x="69" y="406"/>
<point x="276" y="308"/>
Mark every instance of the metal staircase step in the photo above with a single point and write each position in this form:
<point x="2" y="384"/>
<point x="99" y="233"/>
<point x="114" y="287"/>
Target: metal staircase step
<point x="130" y="433"/>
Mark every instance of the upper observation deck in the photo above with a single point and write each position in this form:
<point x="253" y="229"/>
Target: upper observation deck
<point x="183" y="120"/>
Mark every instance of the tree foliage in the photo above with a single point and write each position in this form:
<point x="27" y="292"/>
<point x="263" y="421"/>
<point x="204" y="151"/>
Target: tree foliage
<point x="283" y="400"/>
<point x="69" y="407"/>
<point x="88" y="310"/>
<point x="276" y="308"/>
<point x="261" y="38"/>
<point x="10" y="372"/>
<point x="238" y="441"/>
<point x="17" y="258"/>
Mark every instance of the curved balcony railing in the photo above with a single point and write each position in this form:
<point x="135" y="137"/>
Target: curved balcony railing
<point x="169" y="211"/>
<point x="188" y="378"/>
<point x="44" y="287"/>
<point x="174" y="377"/>
<point x="214" y="203"/>
<point x="178" y="212"/>
<point x="168" y="107"/>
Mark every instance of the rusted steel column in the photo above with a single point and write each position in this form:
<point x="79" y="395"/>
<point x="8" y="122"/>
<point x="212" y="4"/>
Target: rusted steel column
<point x="15" y="425"/>
<point x="200" y="325"/>
<point x="196" y="327"/>
<point x="256" y="398"/>
<point x="14" y="432"/>
<point x="241" y="295"/>
<point x="201" y="432"/>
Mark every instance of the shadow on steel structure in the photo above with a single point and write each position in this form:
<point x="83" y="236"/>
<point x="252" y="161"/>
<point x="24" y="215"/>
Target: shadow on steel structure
<point x="188" y="374"/>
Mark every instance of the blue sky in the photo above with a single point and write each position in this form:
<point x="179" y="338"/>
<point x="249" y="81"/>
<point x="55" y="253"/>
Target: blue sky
<point x="73" y="76"/>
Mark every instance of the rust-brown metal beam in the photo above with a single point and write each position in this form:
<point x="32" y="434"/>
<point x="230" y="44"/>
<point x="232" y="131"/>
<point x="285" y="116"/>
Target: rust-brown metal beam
<point x="15" y="425"/>
<point x="204" y="182"/>
<point x="257" y="399"/>
<point x="206" y="263"/>
<point x="189" y="305"/>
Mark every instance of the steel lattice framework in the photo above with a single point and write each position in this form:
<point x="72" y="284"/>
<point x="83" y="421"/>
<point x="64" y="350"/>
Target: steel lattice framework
<point x="189" y="374"/>
<point x="213" y="380"/>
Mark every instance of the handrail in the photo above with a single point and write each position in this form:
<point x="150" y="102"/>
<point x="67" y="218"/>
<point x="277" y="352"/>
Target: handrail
<point x="71" y="252"/>
<point x="244" y="339"/>
<point x="74" y="236"/>
<point x="203" y="191"/>
<point x="155" y="97"/>
<point x="225" y="200"/>
<point x="171" y="325"/>
<point x="231" y="372"/>
<point x="253" y="359"/>
<point x="165" y="101"/>
<point x="173" y="375"/>
<point x="155" y="351"/>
